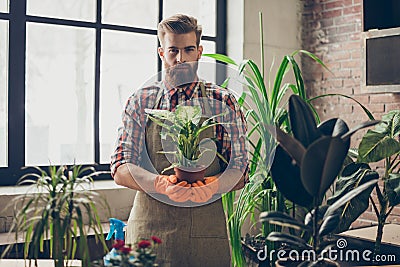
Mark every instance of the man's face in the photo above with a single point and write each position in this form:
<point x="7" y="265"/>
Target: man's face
<point x="180" y="54"/>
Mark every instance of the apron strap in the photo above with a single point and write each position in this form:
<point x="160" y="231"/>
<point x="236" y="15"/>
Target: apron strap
<point x="207" y="107"/>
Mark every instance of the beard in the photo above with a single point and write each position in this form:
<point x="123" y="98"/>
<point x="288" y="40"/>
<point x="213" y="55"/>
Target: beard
<point x="181" y="74"/>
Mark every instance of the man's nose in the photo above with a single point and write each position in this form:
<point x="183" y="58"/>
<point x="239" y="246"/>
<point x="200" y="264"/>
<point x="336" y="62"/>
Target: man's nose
<point x="181" y="57"/>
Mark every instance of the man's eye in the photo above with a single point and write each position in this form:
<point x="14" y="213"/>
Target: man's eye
<point x="173" y="51"/>
<point x="191" y="49"/>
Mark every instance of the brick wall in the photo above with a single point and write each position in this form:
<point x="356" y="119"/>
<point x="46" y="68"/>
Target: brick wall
<point x="332" y="29"/>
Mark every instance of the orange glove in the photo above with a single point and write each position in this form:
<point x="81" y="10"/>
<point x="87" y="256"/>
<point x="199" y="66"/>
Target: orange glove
<point x="162" y="182"/>
<point x="201" y="192"/>
<point x="179" y="192"/>
<point x="212" y="183"/>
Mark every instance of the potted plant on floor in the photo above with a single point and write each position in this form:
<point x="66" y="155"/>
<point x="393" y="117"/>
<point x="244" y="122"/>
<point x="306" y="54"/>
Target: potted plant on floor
<point x="304" y="168"/>
<point x="182" y="128"/>
<point x="59" y="207"/>
<point x="268" y="100"/>
<point x="381" y="145"/>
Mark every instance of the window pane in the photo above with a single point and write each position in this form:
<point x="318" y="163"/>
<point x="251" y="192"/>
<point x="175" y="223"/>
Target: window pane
<point x="4" y="6"/>
<point x="203" y="10"/>
<point x="141" y="14"/>
<point x="59" y="95"/>
<point x="3" y="92"/>
<point x="128" y="60"/>
<point x="74" y="10"/>
<point x="207" y="68"/>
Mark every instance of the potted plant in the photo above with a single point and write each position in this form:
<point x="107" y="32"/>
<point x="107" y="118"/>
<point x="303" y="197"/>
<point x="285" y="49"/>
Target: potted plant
<point x="182" y="128"/>
<point x="304" y="168"/>
<point x="267" y="98"/>
<point x="381" y="145"/>
<point x="59" y="207"/>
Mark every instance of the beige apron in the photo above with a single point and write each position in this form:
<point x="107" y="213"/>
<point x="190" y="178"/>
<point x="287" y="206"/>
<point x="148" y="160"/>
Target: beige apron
<point x="192" y="236"/>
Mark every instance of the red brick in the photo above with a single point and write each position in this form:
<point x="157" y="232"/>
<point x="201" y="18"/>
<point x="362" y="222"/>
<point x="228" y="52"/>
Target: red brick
<point x="339" y="38"/>
<point x="352" y="64"/>
<point x="337" y="74"/>
<point x="394" y="106"/>
<point x="355" y="9"/>
<point x="351" y="82"/>
<point x="383" y="98"/>
<point x="363" y="99"/>
<point x="351" y="45"/>
<point x="340" y="90"/>
<point x="333" y="5"/>
<point x="326" y="23"/>
<point x="356" y="55"/>
<point x="349" y="19"/>
<point x="332" y="13"/>
<point x="346" y="29"/>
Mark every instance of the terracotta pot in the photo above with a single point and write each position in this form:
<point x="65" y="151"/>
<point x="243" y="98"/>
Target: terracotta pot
<point x="294" y="263"/>
<point x="190" y="175"/>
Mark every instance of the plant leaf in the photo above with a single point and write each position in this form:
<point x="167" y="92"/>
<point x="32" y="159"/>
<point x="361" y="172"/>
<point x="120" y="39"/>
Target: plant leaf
<point x="376" y="146"/>
<point x="329" y="224"/>
<point x="302" y="121"/>
<point x="392" y="188"/>
<point x="282" y="219"/>
<point x="322" y="163"/>
<point x="353" y="175"/>
<point x="349" y="196"/>
<point x="286" y="175"/>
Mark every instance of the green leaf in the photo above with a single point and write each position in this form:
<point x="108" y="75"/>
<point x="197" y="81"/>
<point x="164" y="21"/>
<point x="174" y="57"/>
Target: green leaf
<point x="302" y="121"/>
<point x="392" y="188"/>
<point x="391" y="124"/>
<point x="333" y="127"/>
<point x="221" y="58"/>
<point x="286" y="175"/>
<point x="349" y="196"/>
<point x="282" y="219"/>
<point x="329" y="224"/>
<point x="353" y="175"/>
<point x="291" y="145"/>
<point x="322" y="163"/>
<point x="376" y="146"/>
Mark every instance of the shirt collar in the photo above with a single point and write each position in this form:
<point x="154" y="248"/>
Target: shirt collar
<point x="188" y="89"/>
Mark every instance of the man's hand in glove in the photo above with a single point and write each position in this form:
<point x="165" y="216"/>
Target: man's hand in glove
<point x="178" y="192"/>
<point x="202" y="192"/>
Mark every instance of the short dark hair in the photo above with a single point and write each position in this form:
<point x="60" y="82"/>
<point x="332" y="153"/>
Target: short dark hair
<point x="179" y="24"/>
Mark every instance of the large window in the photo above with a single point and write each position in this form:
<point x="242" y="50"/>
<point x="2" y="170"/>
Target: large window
<point x="67" y="68"/>
<point x="381" y="23"/>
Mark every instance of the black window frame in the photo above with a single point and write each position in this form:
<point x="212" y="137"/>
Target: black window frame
<point x="18" y="20"/>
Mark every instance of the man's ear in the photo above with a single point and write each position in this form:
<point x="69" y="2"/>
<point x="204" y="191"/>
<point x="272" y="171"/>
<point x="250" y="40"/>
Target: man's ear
<point x="199" y="51"/>
<point x="161" y="53"/>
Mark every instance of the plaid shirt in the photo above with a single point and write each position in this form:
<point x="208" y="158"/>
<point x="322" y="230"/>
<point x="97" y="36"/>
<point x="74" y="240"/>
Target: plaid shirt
<point x="131" y="135"/>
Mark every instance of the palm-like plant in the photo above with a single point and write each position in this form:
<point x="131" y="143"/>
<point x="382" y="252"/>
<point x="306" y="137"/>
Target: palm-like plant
<point x="267" y="98"/>
<point x="60" y="208"/>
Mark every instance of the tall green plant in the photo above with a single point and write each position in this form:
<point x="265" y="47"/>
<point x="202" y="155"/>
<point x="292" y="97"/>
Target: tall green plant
<point x="305" y="166"/>
<point x="61" y="209"/>
<point x="267" y="97"/>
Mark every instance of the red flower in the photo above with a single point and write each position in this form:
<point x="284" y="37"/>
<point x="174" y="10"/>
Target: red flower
<point x="125" y="250"/>
<point x="156" y="239"/>
<point x="144" y="244"/>
<point x="118" y="244"/>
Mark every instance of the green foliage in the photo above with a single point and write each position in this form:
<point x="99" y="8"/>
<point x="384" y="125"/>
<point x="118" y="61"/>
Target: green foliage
<point x="305" y="167"/>
<point x="59" y="208"/>
<point x="183" y="128"/>
<point x="381" y="145"/>
<point x="352" y="175"/>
